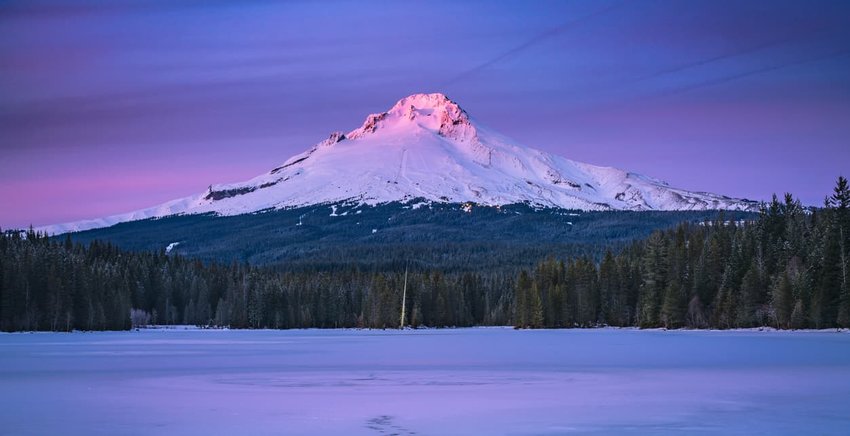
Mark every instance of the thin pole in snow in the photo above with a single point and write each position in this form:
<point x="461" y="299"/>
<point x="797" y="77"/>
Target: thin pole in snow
<point x="404" y="297"/>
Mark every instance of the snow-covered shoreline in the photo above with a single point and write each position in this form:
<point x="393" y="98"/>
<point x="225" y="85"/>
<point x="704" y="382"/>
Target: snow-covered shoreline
<point x="181" y="328"/>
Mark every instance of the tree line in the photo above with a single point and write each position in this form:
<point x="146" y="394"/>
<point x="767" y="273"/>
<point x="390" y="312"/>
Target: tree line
<point x="53" y="285"/>
<point x="787" y="268"/>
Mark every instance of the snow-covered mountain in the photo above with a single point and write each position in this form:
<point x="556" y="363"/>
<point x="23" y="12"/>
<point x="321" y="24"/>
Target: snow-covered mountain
<point x="427" y="147"/>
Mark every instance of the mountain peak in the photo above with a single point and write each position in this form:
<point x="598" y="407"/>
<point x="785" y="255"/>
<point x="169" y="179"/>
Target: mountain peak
<point x="434" y="112"/>
<point x="433" y="101"/>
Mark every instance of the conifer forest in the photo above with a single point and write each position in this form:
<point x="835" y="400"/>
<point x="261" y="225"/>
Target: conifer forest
<point x="787" y="269"/>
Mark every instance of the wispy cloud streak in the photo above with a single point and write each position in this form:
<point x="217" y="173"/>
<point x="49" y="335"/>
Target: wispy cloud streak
<point x="532" y="42"/>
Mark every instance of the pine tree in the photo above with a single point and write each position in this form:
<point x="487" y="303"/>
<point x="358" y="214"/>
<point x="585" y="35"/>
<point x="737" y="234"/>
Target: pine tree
<point x="523" y="304"/>
<point x="749" y="313"/>
<point x="673" y="310"/>
<point x="675" y="301"/>
<point x="725" y="303"/>
<point x="696" y="317"/>
<point x="586" y="292"/>
<point x="535" y="305"/>
<point x="782" y="301"/>
<point x="840" y="198"/>
<point x="611" y="297"/>
<point x="654" y="280"/>
<point x="840" y="202"/>
<point x="827" y="290"/>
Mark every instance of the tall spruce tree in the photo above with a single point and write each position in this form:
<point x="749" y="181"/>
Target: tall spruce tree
<point x="654" y="280"/>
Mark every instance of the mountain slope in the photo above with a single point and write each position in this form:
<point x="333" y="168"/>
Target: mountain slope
<point x="427" y="147"/>
<point x="447" y="236"/>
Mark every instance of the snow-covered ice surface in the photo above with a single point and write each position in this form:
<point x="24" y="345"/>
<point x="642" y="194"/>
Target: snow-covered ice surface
<point x="438" y="382"/>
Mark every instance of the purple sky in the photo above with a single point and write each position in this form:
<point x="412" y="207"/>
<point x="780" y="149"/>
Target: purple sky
<point x="109" y="106"/>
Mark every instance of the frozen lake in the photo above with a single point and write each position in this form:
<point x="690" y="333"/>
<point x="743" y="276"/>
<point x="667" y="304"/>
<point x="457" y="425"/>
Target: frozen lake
<point x="427" y="382"/>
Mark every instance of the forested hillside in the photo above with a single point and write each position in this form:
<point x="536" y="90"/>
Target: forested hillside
<point x="449" y="237"/>
<point x="788" y="268"/>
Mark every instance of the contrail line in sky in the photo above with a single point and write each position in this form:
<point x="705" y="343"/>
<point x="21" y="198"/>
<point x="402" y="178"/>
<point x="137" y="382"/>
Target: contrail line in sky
<point x="531" y="42"/>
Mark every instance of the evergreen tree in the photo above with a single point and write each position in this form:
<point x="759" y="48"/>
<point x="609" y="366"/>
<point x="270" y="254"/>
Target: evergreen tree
<point x="750" y="312"/>
<point x="840" y="203"/>
<point x="535" y="315"/>
<point x="612" y="299"/>
<point x="523" y="305"/>
<point x="782" y="301"/>
<point x="654" y="280"/>
<point x="674" y="308"/>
